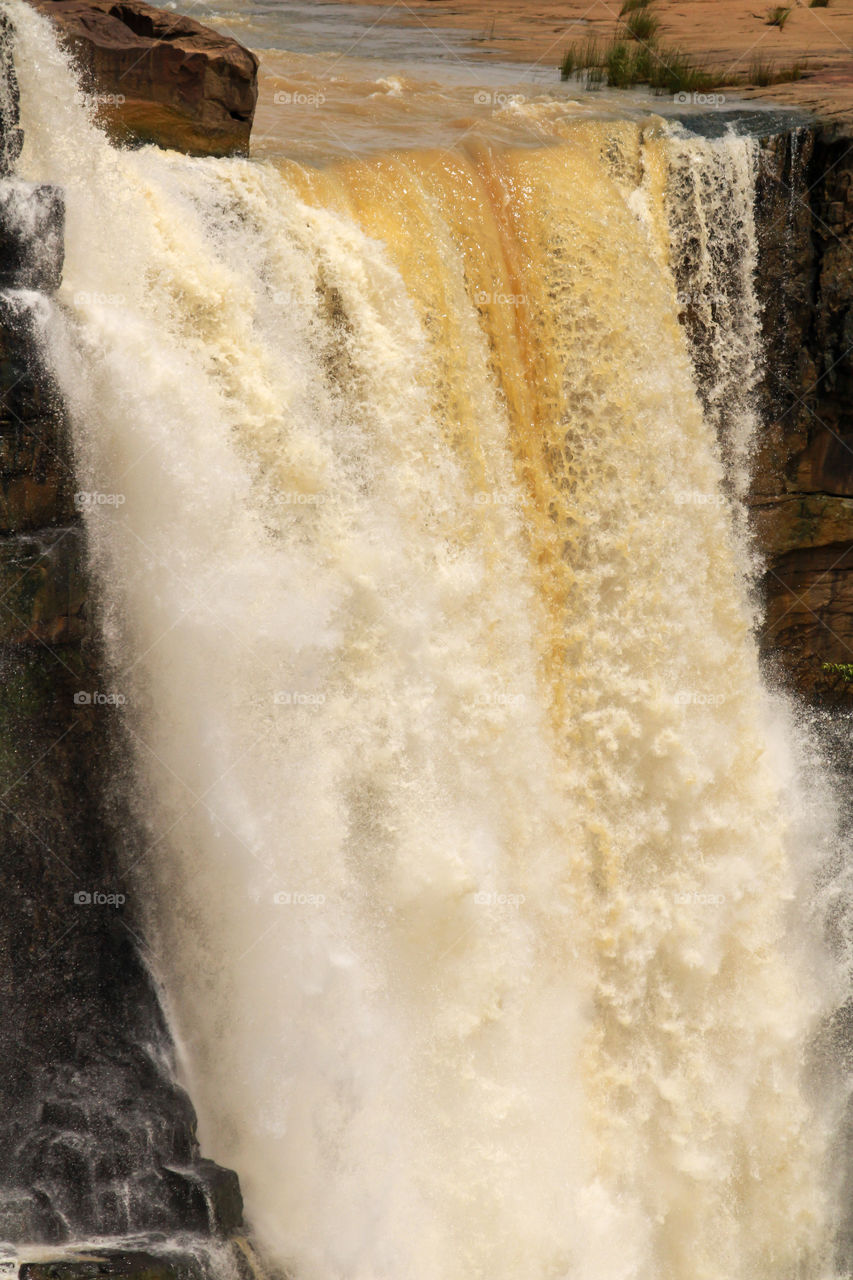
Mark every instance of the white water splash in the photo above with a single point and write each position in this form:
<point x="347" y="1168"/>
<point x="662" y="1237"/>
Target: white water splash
<point x="473" y="875"/>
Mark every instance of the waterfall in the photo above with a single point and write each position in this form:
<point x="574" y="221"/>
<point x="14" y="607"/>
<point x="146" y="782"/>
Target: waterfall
<point x="480" y="866"/>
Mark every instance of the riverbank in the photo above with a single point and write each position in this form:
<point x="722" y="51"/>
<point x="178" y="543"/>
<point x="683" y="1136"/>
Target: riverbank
<point x="722" y="35"/>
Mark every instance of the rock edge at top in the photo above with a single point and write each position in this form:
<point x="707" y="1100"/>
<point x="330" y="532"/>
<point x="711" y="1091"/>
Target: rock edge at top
<point x="157" y="76"/>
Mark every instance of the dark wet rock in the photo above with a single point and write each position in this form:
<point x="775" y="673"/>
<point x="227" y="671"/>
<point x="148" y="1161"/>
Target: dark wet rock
<point x="64" y="1115"/>
<point x="206" y="1195"/>
<point x="92" y="1122"/>
<point x="32" y="236"/>
<point x="43" y="587"/>
<point x="28" y="1215"/>
<point x="36" y="478"/>
<point x="11" y="135"/>
<point x="93" y="1125"/>
<point x="117" y="1266"/>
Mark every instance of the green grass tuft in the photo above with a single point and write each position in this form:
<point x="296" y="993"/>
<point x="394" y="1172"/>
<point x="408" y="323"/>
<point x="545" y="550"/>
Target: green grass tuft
<point x="634" y="57"/>
<point x="568" y="64"/>
<point x="618" y="66"/>
<point x="641" y="25"/>
<point x="763" y="72"/>
<point x="843" y="669"/>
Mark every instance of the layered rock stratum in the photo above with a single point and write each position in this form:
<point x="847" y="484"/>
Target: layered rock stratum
<point x="803" y="486"/>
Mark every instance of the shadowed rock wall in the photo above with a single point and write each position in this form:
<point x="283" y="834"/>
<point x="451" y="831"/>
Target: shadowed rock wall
<point x="803" y="490"/>
<point x="96" y="1136"/>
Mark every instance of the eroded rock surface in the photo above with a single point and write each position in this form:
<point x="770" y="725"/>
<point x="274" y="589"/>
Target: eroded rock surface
<point x="160" y="77"/>
<point x="803" y="489"/>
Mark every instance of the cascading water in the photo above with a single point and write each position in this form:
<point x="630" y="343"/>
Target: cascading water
<point x="476" y="860"/>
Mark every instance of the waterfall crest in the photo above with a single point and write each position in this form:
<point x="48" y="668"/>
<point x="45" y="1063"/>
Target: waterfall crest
<point x="473" y="878"/>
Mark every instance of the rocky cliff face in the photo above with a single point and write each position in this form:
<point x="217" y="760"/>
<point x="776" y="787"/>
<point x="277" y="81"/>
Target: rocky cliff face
<point x="803" y="491"/>
<point x="96" y="1136"/>
<point x="157" y="76"/>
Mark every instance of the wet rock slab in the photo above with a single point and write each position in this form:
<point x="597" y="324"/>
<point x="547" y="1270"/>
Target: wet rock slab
<point x="152" y="1257"/>
<point x="115" y="1265"/>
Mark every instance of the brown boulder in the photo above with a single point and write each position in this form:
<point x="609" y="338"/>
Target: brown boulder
<point x="160" y="77"/>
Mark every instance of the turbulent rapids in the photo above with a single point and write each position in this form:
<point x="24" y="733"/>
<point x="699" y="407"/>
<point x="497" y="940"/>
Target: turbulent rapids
<point x="479" y="864"/>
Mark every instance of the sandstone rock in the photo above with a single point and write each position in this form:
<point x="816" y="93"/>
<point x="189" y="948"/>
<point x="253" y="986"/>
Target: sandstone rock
<point x="803" y="522"/>
<point x="808" y="629"/>
<point x="159" y="77"/>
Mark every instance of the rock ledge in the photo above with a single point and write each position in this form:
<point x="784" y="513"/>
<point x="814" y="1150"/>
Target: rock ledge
<point x="160" y="77"/>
